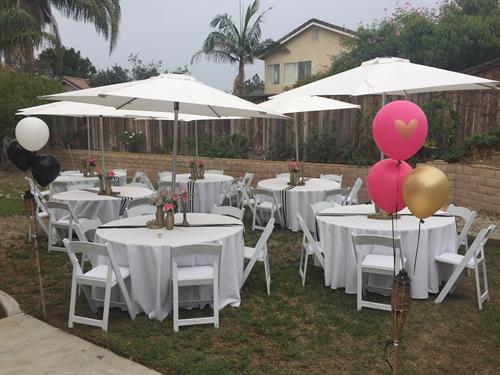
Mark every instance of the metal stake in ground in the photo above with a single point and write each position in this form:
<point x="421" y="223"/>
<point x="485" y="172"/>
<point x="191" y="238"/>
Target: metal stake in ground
<point x="30" y="207"/>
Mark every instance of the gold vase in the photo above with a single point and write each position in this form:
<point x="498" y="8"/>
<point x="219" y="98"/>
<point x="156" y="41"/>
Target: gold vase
<point x="107" y="186"/>
<point x="184" y="216"/>
<point x="201" y="173"/>
<point x="193" y="173"/>
<point x="102" y="182"/>
<point x="293" y="178"/>
<point x="169" y="220"/>
<point x="160" y="216"/>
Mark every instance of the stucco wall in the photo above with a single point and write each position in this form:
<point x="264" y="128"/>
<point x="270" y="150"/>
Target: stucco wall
<point x="303" y="48"/>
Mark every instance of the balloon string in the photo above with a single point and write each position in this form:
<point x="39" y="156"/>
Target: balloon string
<point x="392" y="218"/>
<point x="420" y="222"/>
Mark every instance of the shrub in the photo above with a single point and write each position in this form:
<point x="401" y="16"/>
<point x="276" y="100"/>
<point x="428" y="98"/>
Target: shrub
<point x="234" y="146"/>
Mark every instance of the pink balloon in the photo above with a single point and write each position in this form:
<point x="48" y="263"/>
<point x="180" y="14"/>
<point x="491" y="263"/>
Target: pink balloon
<point x="385" y="184"/>
<point x="400" y="129"/>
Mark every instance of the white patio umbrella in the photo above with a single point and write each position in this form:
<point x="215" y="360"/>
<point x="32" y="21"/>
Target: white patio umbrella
<point x="175" y="93"/>
<point x="75" y="109"/>
<point x="304" y="104"/>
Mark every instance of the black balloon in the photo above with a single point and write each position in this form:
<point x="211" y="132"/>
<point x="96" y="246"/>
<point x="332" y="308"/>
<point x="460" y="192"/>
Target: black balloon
<point x="45" y="169"/>
<point x="19" y="156"/>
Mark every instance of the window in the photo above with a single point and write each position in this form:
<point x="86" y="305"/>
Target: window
<point x="273" y="74"/>
<point x="304" y="70"/>
<point x="290" y="74"/>
<point x="315" y="34"/>
<point x="296" y="72"/>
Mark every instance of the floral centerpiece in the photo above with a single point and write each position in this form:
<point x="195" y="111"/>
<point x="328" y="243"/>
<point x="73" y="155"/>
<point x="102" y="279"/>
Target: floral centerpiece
<point x="169" y="207"/>
<point x="294" y="169"/>
<point x="88" y="165"/>
<point x="105" y="181"/>
<point x="183" y="201"/>
<point x="197" y="168"/>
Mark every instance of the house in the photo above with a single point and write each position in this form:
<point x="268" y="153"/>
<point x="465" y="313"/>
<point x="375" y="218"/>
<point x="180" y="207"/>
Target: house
<point x="302" y="52"/>
<point x="74" y="83"/>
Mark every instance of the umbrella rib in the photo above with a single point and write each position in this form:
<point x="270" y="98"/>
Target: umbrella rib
<point x="213" y="111"/>
<point x="124" y="104"/>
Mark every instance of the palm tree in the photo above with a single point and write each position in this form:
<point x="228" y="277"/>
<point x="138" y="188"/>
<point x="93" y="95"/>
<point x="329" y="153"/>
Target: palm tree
<point x="26" y="24"/>
<point x="230" y="44"/>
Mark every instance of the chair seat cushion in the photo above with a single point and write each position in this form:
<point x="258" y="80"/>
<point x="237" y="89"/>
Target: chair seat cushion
<point x="101" y="272"/>
<point x="250" y="251"/>
<point x="453" y="258"/>
<point x="195" y="273"/>
<point x="376" y="261"/>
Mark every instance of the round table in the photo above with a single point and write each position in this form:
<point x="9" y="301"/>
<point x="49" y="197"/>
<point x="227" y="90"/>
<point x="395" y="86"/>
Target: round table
<point x="204" y="193"/>
<point x="62" y="182"/>
<point x="298" y="198"/>
<point x="147" y="254"/>
<point x="105" y="207"/>
<point x="437" y="235"/>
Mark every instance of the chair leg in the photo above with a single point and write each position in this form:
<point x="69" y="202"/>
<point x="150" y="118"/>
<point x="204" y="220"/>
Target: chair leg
<point x="306" y="256"/>
<point x="359" y="292"/>
<point x="72" y="303"/>
<point x="268" y="273"/>
<point x="301" y="269"/>
<point x="216" y="302"/>
<point x="175" y="293"/>
<point x="105" y="312"/>
<point x="485" y="281"/>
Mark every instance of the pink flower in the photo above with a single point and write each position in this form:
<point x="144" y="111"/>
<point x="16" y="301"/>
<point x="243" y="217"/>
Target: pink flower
<point x="168" y="207"/>
<point x="98" y="171"/>
<point x="110" y="174"/>
<point x="293" y="166"/>
<point x="175" y="197"/>
<point x="91" y="161"/>
<point x="200" y="163"/>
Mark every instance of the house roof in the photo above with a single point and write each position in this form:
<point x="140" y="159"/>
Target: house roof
<point x="477" y="69"/>
<point x="76" y="82"/>
<point x="312" y="22"/>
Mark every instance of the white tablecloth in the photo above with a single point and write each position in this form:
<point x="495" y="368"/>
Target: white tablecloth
<point x="204" y="193"/>
<point x="437" y="235"/>
<point x="62" y="182"/>
<point x="298" y="198"/>
<point x="147" y="253"/>
<point x="105" y="207"/>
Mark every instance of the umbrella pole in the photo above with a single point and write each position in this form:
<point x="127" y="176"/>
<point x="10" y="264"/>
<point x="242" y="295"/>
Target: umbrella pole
<point x="196" y="138"/>
<point x="88" y="135"/>
<point x="383" y="103"/>
<point x="174" y="149"/>
<point x="102" y="140"/>
<point x="296" y="131"/>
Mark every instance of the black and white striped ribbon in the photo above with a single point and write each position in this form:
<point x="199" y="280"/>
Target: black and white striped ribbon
<point x="191" y="187"/>
<point x="284" y="205"/>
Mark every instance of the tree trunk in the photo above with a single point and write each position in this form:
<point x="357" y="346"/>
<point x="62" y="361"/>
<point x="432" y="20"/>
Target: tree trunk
<point x="239" y="81"/>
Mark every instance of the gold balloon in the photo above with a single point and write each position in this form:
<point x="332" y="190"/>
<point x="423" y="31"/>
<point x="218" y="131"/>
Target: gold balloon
<point x="425" y="190"/>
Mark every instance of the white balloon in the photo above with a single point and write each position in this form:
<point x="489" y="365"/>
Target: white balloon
<point x="32" y="133"/>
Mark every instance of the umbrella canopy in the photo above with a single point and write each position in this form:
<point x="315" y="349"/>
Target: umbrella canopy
<point x="297" y="104"/>
<point x="176" y="93"/>
<point x="393" y="76"/>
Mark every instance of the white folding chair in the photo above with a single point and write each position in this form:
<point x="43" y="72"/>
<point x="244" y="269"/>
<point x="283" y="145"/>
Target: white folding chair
<point x="282" y="175"/>
<point x="316" y="208"/>
<point x="468" y="216"/>
<point x="259" y="253"/>
<point x="67" y="224"/>
<point x="260" y="204"/>
<point x="104" y="276"/>
<point x="164" y="180"/>
<point x="165" y="185"/>
<point x="352" y="197"/>
<point x="247" y="179"/>
<point x="142" y="178"/>
<point x="336" y="195"/>
<point x="214" y="171"/>
<point x="237" y="213"/>
<point x="332" y="177"/>
<point x="368" y="263"/>
<point x="473" y="259"/>
<point x="70" y="172"/>
<point x="116" y="180"/>
<point x="231" y="192"/>
<point x="41" y="213"/>
<point x="139" y="206"/>
<point x="196" y="275"/>
<point x="309" y="247"/>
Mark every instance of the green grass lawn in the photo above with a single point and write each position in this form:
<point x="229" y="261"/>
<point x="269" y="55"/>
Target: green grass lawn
<point x="296" y="330"/>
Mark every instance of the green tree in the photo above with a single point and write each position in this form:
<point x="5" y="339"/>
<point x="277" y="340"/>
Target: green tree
<point x="73" y="64"/>
<point x="23" y="90"/>
<point x="109" y="76"/>
<point x="140" y="70"/>
<point x="253" y="84"/>
<point x="26" y="24"/>
<point x="233" y="45"/>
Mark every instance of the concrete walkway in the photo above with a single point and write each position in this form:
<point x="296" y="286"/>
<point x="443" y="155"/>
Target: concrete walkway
<point x="30" y="346"/>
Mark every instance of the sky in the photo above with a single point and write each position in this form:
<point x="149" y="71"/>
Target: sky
<point x="172" y="30"/>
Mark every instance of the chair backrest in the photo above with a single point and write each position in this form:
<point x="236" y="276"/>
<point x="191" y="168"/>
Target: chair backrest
<point x="214" y="171"/>
<point x="165" y="175"/>
<point x="282" y="175"/>
<point x="257" y="192"/>
<point x="332" y="177"/>
<point x="80" y="186"/>
<point x="340" y="194"/>
<point x="90" y="250"/>
<point x="235" y="212"/>
<point x="141" y="177"/>
<point x="309" y="238"/>
<point x="165" y="185"/>
<point x="264" y="237"/>
<point x="468" y="216"/>
<point x="319" y="206"/>
<point x="375" y="240"/>
<point x="213" y="250"/>
<point x="477" y="247"/>
<point x="245" y="198"/>
<point x="247" y="179"/>
<point x="65" y="173"/>
<point x="139" y="206"/>
<point x="120" y="170"/>
<point x="352" y="197"/>
<point x="52" y="206"/>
